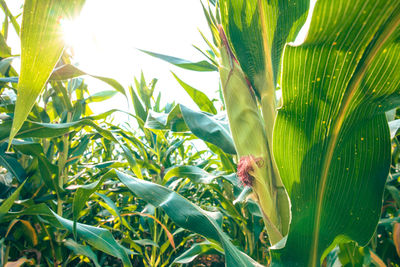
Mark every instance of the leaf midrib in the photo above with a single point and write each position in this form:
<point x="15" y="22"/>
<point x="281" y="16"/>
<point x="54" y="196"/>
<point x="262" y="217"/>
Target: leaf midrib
<point x="337" y="126"/>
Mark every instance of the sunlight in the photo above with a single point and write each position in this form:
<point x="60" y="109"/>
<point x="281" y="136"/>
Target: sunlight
<point x="105" y="39"/>
<point x="89" y="37"/>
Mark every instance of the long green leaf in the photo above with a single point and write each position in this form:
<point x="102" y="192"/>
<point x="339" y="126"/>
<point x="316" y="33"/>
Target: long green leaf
<point x="213" y="129"/>
<point x="99" y="238"/>
<point x="46" y="130"/>
<point x="196" y="250"/>
<point x="201" y="100"/>
<point x="210" y="128"/>
<point x="258" y="30"/>
<point x="9" y="202"/>
<point x="82" y="250"/>
<point x="331" y="138"/>
<point x="186" y="215"/>
<point x="81" y="196"/>
<point x="182" y="63"/>
<point x="69" y="71"/>
<point x="41" y="47"/>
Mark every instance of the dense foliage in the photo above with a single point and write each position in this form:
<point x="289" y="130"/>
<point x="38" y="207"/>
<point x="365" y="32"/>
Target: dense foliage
<point x="79" y="189"/>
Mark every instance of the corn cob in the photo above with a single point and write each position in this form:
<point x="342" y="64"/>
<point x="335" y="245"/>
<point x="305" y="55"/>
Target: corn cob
<point x="256" y="167"/>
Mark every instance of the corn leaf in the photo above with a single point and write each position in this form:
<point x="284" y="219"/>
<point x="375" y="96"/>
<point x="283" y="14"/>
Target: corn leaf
<point x="41" y="47"/>
<point x="99" y="238"/>
<point x="69" y="71"/>
<point x="331" y="138"/>
<point x="11" y="164"/>
<point x="258" y="31"/>
<point x="213" y="129"/>
<point x="201" y="100"/>
<point x="196" y="250"/>
<point x="9" y="202"/>
<point x="79" y="249"/>
<point x="186" y="215"/>
<point x="183" y="63"/>
<point x="210" y="128"/>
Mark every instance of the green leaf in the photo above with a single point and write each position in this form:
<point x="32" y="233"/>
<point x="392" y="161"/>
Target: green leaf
<point x="48" y="171"/>
<point x="33" y="210"/>
<point x="9" y="202"/>
<point x="11" y="164"/>
<point x="43" y="130"/>
<point x="191" y="172"/>
<point x="186" y="215"/>
<point x="100" y="96"/>
<point x="146" y="242"/>
<point x="258" y="31"/>
<point x="351" y="255"/>
<point x="12" y="18"/>
<point x="196" y="250"/>
<point x="166" y="121"/>
<point x="41" y="47"/>
<point x="81" y="196"/>
<point x="182" y="63"/>
<point x="137" y="105"/>
<point x="201" y="100"/>
<point x="198" y="175"/>
<point x="69" y="71"/>
<point x="213" y="129"/>
<point x="210" y="128"/>
<point x="5" y="50"/>
<point x="79" y="249"/>
<point x="46" y="130"/>
<point x="113" y="209"/>
<point x="99" y="238"/>
<point x="331" y="137"/>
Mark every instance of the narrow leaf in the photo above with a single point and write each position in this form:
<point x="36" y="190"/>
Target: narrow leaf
<point x="201" y="100"/>
<point x="182" y="63"/>
<point x="69" y="71"/>
<point x="79" y="249"/>
<point x="41" y="47"/>
<point x="9" y="202"/>
<point x="186" y="215"/>
<point x="99" y="238"/>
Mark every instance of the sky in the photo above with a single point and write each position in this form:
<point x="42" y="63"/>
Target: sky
<point x="107" y="35"/>
<point x="106" y="38"/>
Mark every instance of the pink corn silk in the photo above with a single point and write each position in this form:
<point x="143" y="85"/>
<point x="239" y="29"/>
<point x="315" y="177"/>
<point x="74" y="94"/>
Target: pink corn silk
<point x="245" y="166"/>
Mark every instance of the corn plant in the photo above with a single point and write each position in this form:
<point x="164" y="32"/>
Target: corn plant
<point x="327" y="144"/>
<point x="316" y="161"/>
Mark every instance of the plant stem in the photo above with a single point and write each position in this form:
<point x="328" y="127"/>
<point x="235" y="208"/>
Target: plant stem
<point x="62" y="173"/>
<point x="6" y="255"/>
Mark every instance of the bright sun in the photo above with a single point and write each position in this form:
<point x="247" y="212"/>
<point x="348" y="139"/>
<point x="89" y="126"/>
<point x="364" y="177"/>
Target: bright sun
<point x="104" y="40"/>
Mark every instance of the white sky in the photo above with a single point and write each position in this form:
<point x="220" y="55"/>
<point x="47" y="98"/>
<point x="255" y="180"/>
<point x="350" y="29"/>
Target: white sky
<point x="107" y="34"/>
<point x="107" y="37"/>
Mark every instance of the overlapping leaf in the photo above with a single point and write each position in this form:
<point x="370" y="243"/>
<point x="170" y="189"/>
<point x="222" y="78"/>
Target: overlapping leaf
<point x="41" y="47"/>
<point x="258" y="31"/>
<point x="186" y="215"/>
<point x="210" y="128"/>
<point x="99" y="238"/>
